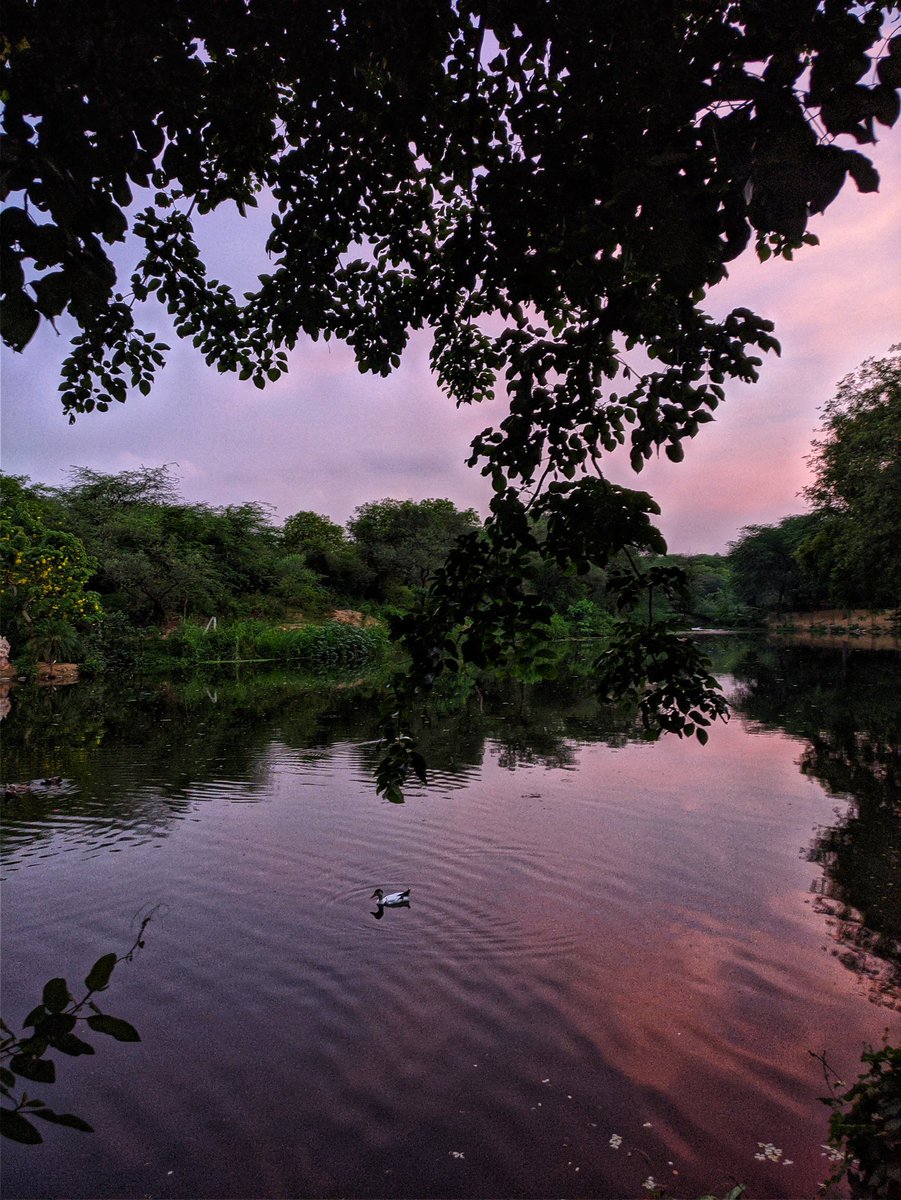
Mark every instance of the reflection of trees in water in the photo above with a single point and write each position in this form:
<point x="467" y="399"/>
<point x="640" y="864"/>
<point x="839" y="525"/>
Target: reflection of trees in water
<point x="140" y="753"/>
<point x="844" y="704"/>
<point x="136" y="755"/>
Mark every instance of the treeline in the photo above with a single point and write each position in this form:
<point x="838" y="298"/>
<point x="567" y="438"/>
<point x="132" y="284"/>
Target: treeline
<point x="90" y="567"/>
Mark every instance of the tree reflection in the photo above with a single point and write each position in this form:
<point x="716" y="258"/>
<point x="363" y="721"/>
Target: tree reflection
<point x="844" y="704"/>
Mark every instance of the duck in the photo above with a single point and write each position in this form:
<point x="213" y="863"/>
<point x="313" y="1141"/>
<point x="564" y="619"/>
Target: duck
<point x="392" y="899"/>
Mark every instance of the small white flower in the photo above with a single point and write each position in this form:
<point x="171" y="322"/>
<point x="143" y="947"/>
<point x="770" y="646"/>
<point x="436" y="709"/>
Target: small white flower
<point x="457" y="1154"/>
<point x="767" y="1151"/>
<point x="616" y="1141"/>
<point x="832" y="1154"/>
<point x="650" y="1184"/>
<point x="646" y="1125"/>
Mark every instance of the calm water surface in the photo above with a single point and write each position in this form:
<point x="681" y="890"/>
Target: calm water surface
<point x="605" y="936"/>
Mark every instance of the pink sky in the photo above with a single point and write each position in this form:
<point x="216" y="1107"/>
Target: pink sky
<point x="327" y="438"/>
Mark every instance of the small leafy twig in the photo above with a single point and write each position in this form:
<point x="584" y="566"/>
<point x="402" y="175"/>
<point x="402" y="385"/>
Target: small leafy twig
<point x="53" y="1023"/>
<point x="865" y="1125"/>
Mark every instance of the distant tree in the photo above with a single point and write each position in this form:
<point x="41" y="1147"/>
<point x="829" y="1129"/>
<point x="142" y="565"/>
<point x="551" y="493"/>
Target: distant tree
<point x="404" y="542"/>
<point x="314" y="536"/>
<point x="856" y="549"/>
<point x="159" y="557"/>
<point x="767" y="573"/>
<point x="299" y="586"/>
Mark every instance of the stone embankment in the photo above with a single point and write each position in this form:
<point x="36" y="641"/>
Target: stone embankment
<point x="876" y="628"/>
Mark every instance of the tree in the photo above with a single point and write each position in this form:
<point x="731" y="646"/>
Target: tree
<point x="544" y="187"/>
<point x="159" y="557"/>
<point x="314" y="536"/>
<point x="857" y="487"/>
<point x="767" y="571"/>
<point x="44" y="571"/>
<point x="404" y="542"/>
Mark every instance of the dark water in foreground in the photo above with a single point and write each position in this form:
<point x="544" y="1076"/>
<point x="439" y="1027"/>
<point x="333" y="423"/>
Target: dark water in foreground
<point x="605" y="937"/>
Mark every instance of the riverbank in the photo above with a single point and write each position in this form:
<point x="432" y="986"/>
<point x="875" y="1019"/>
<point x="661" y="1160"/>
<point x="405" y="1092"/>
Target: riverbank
<point x="878" y="629"/>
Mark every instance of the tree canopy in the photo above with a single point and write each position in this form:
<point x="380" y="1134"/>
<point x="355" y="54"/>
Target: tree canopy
<point x="313" y="535"/>
<point x="545" y="188"/>
<point x="406" y="541"/>
<point x="158" y="556"/>
<point x="857" y="486"/>
<point x="847" y="550"/>
<point x="767" y="573"/>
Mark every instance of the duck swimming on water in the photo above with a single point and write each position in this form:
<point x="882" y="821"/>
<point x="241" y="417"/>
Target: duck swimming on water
<point x="392" y="899"/>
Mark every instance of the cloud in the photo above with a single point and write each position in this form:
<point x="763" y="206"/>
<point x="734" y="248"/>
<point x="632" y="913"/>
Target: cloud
<point x="328" y="438"/>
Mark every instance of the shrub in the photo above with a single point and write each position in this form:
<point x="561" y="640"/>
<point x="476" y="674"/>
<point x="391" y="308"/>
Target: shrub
<point x="110" y="644"/>
<point x="317" y="646"/>
<point x="865" y="1127"/>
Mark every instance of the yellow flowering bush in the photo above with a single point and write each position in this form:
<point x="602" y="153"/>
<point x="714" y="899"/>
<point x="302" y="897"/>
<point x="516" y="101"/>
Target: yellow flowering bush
<point x="43" y="571"/>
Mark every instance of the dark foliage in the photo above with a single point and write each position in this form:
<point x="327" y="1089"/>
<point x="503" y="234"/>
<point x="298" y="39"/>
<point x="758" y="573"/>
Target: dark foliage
<point x="545" y="188"/>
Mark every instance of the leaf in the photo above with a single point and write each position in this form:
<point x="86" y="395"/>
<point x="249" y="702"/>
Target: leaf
<point x="52" y="292"/>
<point x="35" y="1016"/>
<point x="70" y="1043"/>
<point x="99" y="975"/>
<point x="862" y="171"/>
<point x="417" y="762"/>
<point x="40" y="1070"/>
<point x="57" y="1025"/>
<point x="68" y="1119"/>
<point x="19" y="319"/>
<point x="7" y="1077"/>
<point x="115" y="1027"/>
<point x="56" y="995"/>
<point x="13" y="1125"/>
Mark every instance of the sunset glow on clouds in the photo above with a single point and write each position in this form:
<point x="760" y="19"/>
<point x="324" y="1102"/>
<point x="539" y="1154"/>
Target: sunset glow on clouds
<point x="328" y="438"/>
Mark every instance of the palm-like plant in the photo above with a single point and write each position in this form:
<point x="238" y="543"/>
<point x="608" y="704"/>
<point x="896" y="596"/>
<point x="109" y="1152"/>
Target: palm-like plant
<point x="53" y="640"/>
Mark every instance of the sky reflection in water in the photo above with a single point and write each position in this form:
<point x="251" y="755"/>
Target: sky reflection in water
<point x="613" y="938"/>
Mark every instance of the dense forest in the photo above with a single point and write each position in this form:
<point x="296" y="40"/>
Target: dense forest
<point x="93" y="569"/>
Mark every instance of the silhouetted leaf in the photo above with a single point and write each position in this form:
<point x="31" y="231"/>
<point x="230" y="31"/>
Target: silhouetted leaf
<point x="68" y="1119"/>
<point x="40" y="1070"/>
<point x="13" y="1125"/>
<point x="99" y="975"/>
<point x="417" y="762"/>
<point x="19" y="319"/>
<point x="35" y="1016"/>
<point x="115" y="1027"/>
<point x="56" y="995"/>
<point x="69" y="1043"/>
<point x="57" y="1025"/>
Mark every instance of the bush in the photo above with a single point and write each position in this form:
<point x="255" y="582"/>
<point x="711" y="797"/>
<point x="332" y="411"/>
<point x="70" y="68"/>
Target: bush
<point x="865" y="1127"/>
<point x="317" y="646"/>
<point x="588" y="620"/>
<point x="110" y="645"/>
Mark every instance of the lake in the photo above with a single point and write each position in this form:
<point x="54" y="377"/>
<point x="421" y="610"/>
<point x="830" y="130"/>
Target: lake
<point x="607" y="938"/>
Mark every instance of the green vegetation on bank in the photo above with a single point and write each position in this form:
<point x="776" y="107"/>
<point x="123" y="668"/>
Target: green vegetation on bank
<point x="118" y="572"/>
